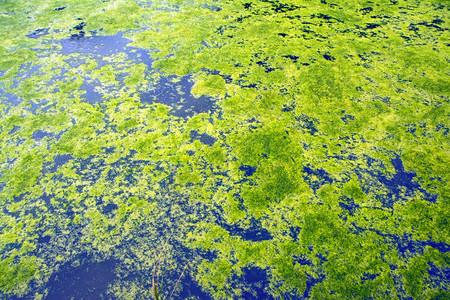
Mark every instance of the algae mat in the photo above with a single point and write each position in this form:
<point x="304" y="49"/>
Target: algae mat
<point x="224" y="149"/>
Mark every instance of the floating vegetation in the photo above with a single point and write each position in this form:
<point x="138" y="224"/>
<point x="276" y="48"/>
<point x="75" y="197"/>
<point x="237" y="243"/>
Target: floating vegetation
<point x="289" y="149"/>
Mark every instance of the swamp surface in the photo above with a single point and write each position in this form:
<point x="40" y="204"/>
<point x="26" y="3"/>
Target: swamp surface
<point x="264" y="149"/>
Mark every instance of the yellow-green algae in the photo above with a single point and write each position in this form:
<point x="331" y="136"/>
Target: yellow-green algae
<point x="321" y="98"/>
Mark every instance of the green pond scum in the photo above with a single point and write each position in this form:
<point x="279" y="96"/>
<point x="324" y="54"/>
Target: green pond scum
<point x="245" y="149"/>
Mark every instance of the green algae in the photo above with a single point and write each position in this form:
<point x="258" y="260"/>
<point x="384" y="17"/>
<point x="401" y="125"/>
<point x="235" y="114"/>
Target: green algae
<point x="320" y="98"/>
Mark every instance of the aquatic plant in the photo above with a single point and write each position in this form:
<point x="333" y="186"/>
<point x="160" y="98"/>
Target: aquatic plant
<point x="293" y="149"/>
<point x="158" y="287"/>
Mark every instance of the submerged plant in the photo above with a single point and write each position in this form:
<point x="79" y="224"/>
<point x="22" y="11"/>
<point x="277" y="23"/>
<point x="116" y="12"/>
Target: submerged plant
<point x="158" y="287"/>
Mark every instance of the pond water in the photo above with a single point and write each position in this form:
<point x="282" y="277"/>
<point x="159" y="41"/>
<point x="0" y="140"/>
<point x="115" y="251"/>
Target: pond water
<point x="224" y="150"/>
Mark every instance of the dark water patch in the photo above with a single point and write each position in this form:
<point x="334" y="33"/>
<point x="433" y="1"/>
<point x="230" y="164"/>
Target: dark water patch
<point x="73" y="62"/>
<point x="18" y="198"/>
<point x="347" y="118"/>
<point x="292" y="57"/>
<point x="204" y="43"/>
<point x="311" y="281"/>
<point x="90" y="280"/>
<point x="399" y="285"/>
<point x="386" y="100"/>
<point x="46" y="198"/>
<point x="14" y="214"/>
<point x="253" y="121"/>
<point x="139" y="55"/>
<point x="90" y="168"/>
<point x="11" y="247"/>
<point x="368" y="277"/>
<point x="37" y="107"/>
<point x="349" y="205"/>
<point x="169" y="7"/>
<point x="255" y="232"/>
<point x="242" y="18"/>
<point x="246" y="84"/>
<point x="80" y="26"/>
<point x="44" y="239"/>
<point x="297" y="17"/>
<point x="288" y="108"/>
<point x="329" y="57"/>
<point x="294" y="232"/>
<point x="26" y="71"/>
<point x="366" y="10"/>
<point x="211" y="7"/>
<point x="14" y="130"/>
<point x="78" y="36"/>
<point x="38" y="33"/>
<point x="400" y="185"/>
<point x="322" y="258"/>
<point x="227" y="78"/>
<point x="442" y="127"/>
<point x="91" y="95"/>
<point x="207" y="254"/>
<point x="60" y="160"/>
<point x="39" y="135"/>
<point x="324" y="17"/>
<point x="279" y="7"/>
<point x="322" y="177"/>
<point x="109" y="208"/>
<point x="266" y="66"/>
<point x="191" y="290"/>
<point x="439" y="276"/>
<point x="98" y="45"/>
<point x="109" y="150"/>
<point x="406" y="38"/>
<point x="177" y="281"/>
<point x="10" y="99"/>
<point x="256" y="279"/>
<point x="69" y="213"/>
<point x="178" y="95"/>
<point x="413" y="26"/>
<point x="203" y="138"/>
<point x="329" y="4"/>
<point x="220" y="30"/>
<point x="44" y="107"/>
<point x="307" y="123"/>
<point x="117" y="170"/>
<point x="438" y="21"/>
<point x="372" y="162"/>
<point x="441" y="246"/>
<point x="249" y="170"/>
<point x="303" y="260"/>
<point x="405" y="245"/>
<point x="145" y="3"/>
<point x="370" y="26"/>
